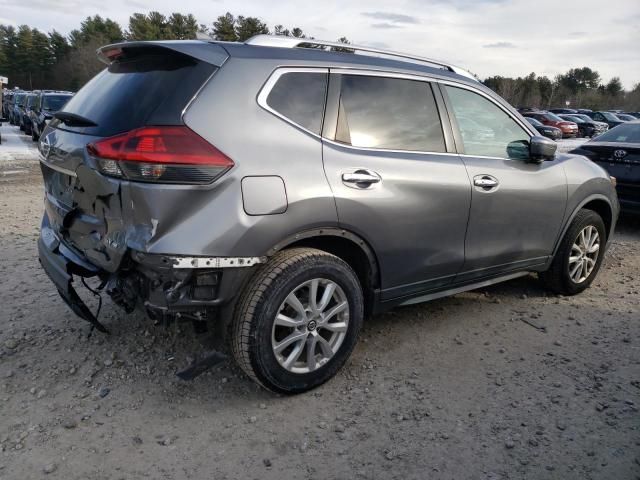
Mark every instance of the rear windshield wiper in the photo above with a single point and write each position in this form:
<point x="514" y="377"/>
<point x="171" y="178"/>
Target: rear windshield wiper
<point x="74" y="120"/>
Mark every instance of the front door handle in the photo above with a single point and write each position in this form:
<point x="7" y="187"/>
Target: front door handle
<point x="361" y="178"/>
<point x="486" y="182"/>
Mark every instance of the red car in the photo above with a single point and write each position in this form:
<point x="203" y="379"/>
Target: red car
<point x="569" y="129"/>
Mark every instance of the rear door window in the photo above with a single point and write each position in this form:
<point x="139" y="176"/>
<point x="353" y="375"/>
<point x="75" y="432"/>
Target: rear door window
<point x="149" y="86"/>
<point x="388" y="113"/>
<point x="300" y="97"/>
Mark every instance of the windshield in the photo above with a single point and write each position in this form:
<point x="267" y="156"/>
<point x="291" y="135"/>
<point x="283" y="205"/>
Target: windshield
<point x="54" y="103"/>
<point x="553" y="116"/>
<point x="571" y="118"/>
<point x="533" y="122"/>
<point x="586" y="118"/>
<point x="626" y="133"/>
<point x="19" y="100"/>
<point x="610" y="116"/>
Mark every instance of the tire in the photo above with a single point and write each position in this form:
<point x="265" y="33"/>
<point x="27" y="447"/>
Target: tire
<point x="255" y="336"/>
<point x="34" y="134"/>
<point x="559" y="276"/>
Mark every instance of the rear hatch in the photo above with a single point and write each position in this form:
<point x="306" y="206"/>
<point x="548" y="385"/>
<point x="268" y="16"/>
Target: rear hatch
<point x="144" y="84"/>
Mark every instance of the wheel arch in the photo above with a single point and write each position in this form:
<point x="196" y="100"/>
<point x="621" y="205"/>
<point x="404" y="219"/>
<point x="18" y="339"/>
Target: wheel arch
<point x="600" y="204"/>
<point x="346" y="245"/>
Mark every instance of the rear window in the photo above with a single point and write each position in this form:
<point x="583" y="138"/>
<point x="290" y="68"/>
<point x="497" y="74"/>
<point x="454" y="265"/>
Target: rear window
<point x="54" y="103"/>
<point x="300" y="97"/>
<point x="626" y="133"/>
<point x="148" y="87"/>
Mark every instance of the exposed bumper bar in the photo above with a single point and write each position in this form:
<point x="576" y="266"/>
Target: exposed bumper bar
<point x="60" y="270"/>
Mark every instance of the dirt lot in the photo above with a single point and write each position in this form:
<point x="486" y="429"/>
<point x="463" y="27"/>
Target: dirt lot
<point x="504" y="383"/>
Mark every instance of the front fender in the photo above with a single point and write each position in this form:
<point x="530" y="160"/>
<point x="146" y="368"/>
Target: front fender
<point x="587" y="182"/>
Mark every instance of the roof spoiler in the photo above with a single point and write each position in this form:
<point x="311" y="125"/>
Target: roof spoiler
<point x="200" y="50"/>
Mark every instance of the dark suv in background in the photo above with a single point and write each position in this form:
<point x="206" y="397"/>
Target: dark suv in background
<point x="279" y="195"/>
<point x="607" y="117"/>
<point x="47" y="103"/>
<point x="15" y="107"/>
<point x="25" y="120"/>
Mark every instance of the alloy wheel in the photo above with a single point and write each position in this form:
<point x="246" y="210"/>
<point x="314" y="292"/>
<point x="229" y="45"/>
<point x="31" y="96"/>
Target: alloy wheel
<point x="310" y="326"/>
<point x="584" y="254"/>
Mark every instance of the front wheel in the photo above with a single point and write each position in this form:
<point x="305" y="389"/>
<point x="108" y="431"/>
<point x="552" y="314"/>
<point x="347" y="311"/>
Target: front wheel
<point x="298" y="320"/>
<point x="579" y="256"/>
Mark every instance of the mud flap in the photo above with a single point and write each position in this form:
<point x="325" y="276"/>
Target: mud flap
<point x="58" y="268"/>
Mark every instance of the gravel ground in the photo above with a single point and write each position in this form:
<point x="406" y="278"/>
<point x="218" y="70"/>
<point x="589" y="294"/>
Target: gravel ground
<point x="508" y="382"/>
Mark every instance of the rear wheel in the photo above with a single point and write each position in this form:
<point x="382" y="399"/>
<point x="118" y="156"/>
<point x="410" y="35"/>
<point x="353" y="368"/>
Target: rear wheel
<point x="579" y="256"/>
<point x="298" y="320"/>
<point x="34" y="134"/>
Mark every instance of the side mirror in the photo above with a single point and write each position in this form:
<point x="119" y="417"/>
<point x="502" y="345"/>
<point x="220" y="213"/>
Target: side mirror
<point x="536" y="150"/>
<point x="542" y="149"/>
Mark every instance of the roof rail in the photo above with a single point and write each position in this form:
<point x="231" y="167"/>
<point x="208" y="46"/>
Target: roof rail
<point x="282" y="41"/>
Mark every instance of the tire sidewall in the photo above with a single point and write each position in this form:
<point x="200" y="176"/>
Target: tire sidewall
<point x="263" y="359"/>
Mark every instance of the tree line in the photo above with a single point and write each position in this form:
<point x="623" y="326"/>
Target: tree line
<point x="581" y="87"/>
<point x="36" y="60"/>
<point x="33" y="59"/>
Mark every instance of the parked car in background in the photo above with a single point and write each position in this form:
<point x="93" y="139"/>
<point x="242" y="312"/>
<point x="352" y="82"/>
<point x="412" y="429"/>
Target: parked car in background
<point x="22" y="109"/>
<point x="563" y="110"/>
<point x="15" y="107"/>
<point x="635" y="114"/>
<point x="47" y="104"/>
<point x="585" y="111"/>
<point x="585" y="129"/>
<point x="607" y="117"/>
<point x="548" y="131"/>
<point x="7" y="95"/>
<point x="164" y="178"/>
<point x="29" y="102"/>
<point x="600" y="127"/>
<point x="625" y="117"/>
<point x="618" y="152"/>
<point x="569" y="129"/>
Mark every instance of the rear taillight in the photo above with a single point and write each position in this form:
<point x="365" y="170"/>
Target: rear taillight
<point x="160" y="155"/>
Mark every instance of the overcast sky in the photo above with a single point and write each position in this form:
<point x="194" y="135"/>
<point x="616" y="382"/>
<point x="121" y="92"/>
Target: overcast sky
<point x="488" y="37"/>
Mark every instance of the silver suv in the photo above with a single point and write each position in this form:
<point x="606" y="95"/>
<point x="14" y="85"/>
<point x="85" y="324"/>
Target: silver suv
<point x="280" y="191"/>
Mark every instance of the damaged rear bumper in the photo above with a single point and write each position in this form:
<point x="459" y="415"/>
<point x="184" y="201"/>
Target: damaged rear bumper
<point x="164" y="287"/>
<point x="60" y="264"/>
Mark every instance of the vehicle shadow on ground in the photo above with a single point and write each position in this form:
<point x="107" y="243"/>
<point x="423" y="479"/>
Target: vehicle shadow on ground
<point x="628" y="227"/>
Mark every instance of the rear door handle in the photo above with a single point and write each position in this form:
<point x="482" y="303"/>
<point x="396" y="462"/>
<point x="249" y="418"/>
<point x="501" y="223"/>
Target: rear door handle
<point x="361" y="178"/>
